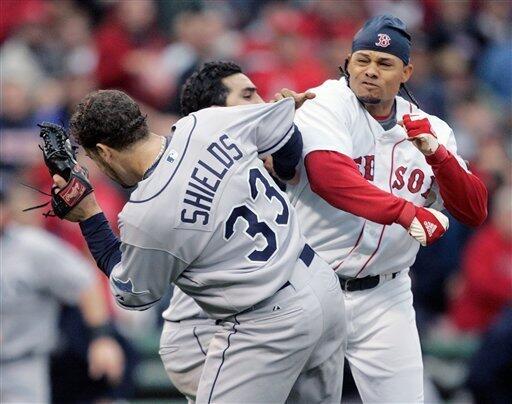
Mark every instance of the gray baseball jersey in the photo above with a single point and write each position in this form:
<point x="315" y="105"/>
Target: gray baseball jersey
<point x="39" y="272"/>
<point x="208" y="218"/>
<point x="183" y="307"/>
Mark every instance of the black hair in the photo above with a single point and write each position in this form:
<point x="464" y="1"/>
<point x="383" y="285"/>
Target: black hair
<point x="403" y="87"/>
<point x="204" y="88"/>
<point x="110" y="117"/>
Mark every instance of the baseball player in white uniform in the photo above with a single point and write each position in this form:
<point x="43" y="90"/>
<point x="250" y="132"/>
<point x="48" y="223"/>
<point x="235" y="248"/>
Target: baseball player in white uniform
<point x="206" y="216"/>
<point x="373" y="163"/>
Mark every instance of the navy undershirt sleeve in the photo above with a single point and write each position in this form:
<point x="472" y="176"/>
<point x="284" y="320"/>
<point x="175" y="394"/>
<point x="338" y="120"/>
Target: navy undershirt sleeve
<point x="102" y="242"/>
<point x="287" y="157"/>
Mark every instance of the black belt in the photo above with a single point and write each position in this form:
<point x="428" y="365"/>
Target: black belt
<point x="368" y="282"/>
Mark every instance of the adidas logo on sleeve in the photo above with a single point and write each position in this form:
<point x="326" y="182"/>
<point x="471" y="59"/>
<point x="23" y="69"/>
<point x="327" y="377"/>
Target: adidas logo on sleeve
<point x="430" y="227"/>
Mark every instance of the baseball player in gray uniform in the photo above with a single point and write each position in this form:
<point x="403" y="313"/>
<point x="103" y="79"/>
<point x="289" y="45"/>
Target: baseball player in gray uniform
<point x="187" y="329"/>
<point x="38" y="274"/>
<point x="206" y="216"/>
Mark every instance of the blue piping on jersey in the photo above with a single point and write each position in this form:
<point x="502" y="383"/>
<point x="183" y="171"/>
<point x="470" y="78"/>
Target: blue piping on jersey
<point x="198" y="342"/>
<point x="175" y="170"/>
<point x="136" y="307"/>
<point x="276" y="143"/>
<point x="223" y="357"/>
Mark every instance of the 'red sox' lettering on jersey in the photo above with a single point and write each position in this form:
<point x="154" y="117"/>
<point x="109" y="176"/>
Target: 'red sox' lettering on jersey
<point x="366" y="166"/>
<point x="356" y="246"/>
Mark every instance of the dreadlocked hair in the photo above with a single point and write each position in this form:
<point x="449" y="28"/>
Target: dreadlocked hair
<point x="407" y="91"/>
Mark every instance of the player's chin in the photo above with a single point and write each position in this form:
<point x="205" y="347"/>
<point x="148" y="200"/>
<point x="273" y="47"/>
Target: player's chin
<point x="369" y="99"/>
<point x="116" y="178"/>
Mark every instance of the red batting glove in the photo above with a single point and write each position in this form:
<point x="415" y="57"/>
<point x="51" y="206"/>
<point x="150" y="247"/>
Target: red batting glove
<point x="428" y="225"/>
<point x="420" y="133"/>
<point x="424" y="224"/>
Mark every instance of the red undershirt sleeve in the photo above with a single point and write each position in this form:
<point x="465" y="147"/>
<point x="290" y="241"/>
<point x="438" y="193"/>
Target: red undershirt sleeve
<point x="335" y="178"/>
<point x="464" y="195"/>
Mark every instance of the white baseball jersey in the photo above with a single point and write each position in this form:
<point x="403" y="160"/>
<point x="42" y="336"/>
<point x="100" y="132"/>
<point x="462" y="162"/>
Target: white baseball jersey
<point x="208" y="218"/>
<point x="336" y="121"/>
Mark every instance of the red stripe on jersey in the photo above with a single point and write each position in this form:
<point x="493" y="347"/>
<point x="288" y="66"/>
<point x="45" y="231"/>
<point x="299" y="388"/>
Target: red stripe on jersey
<point x="371" y="256"/>
<point x="346" y="189"/>
<point x="353" y="248"/>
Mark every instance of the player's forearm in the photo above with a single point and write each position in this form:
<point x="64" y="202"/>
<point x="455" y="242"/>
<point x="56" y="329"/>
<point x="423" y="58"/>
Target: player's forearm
<point x="93" y="306"/>
<point x="102" y="242"/>
<point x="464" y="195"/>
<point x="105" y="357"/>
<point x="335" y="178"/>
<point x="287" y="157"/>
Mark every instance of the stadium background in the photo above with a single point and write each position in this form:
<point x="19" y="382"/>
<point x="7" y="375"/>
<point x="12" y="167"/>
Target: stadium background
<point x="53" y="52"/>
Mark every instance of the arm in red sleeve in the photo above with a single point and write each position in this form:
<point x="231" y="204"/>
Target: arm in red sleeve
<point x="335" y="178"/>
<point x="464" y="195"/>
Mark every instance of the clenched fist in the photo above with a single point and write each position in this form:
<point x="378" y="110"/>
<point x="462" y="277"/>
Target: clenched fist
<point x="428" y="225"/>
<point x="420" y="132"/>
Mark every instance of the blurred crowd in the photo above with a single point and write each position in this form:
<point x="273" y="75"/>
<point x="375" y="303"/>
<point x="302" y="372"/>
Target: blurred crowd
<point x="53" y="52"/>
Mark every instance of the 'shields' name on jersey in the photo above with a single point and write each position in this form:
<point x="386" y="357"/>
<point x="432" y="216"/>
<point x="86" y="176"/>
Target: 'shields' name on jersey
<point x="206" y="178"/>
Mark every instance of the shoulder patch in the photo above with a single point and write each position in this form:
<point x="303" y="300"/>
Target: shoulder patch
<point x="127" y="286"/>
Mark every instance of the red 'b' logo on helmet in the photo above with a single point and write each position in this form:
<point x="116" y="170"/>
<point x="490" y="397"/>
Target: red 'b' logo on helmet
<point x="384" y="40"/>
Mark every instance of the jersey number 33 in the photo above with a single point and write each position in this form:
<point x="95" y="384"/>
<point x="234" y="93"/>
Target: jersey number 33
<point x="254" y="225"/>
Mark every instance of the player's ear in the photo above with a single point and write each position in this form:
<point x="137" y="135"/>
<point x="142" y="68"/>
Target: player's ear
<point x="407" y="73"/>
<point x="103" y="151"/>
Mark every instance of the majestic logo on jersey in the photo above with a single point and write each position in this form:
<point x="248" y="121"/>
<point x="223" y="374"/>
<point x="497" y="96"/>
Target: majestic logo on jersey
<point x="431" y="228"/>
<point x="384" y="40"/>
<point x="127" y="286"/>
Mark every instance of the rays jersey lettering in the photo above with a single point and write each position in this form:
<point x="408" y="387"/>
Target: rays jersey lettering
<point x="210" y="215"/>
<point x="206" y="177"/>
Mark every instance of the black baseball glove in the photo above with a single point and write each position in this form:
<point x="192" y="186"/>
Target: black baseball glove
<point x="60" y="158"/>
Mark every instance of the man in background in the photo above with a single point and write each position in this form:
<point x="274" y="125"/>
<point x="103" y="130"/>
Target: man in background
<point x="39" y="273"/>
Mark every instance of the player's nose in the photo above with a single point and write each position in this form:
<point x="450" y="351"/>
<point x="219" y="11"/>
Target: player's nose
<point x="371" y="71"/>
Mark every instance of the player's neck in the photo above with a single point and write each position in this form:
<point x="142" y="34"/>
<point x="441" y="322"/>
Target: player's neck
<point x="144" y="155"/>
<point x="380" y="111"/>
